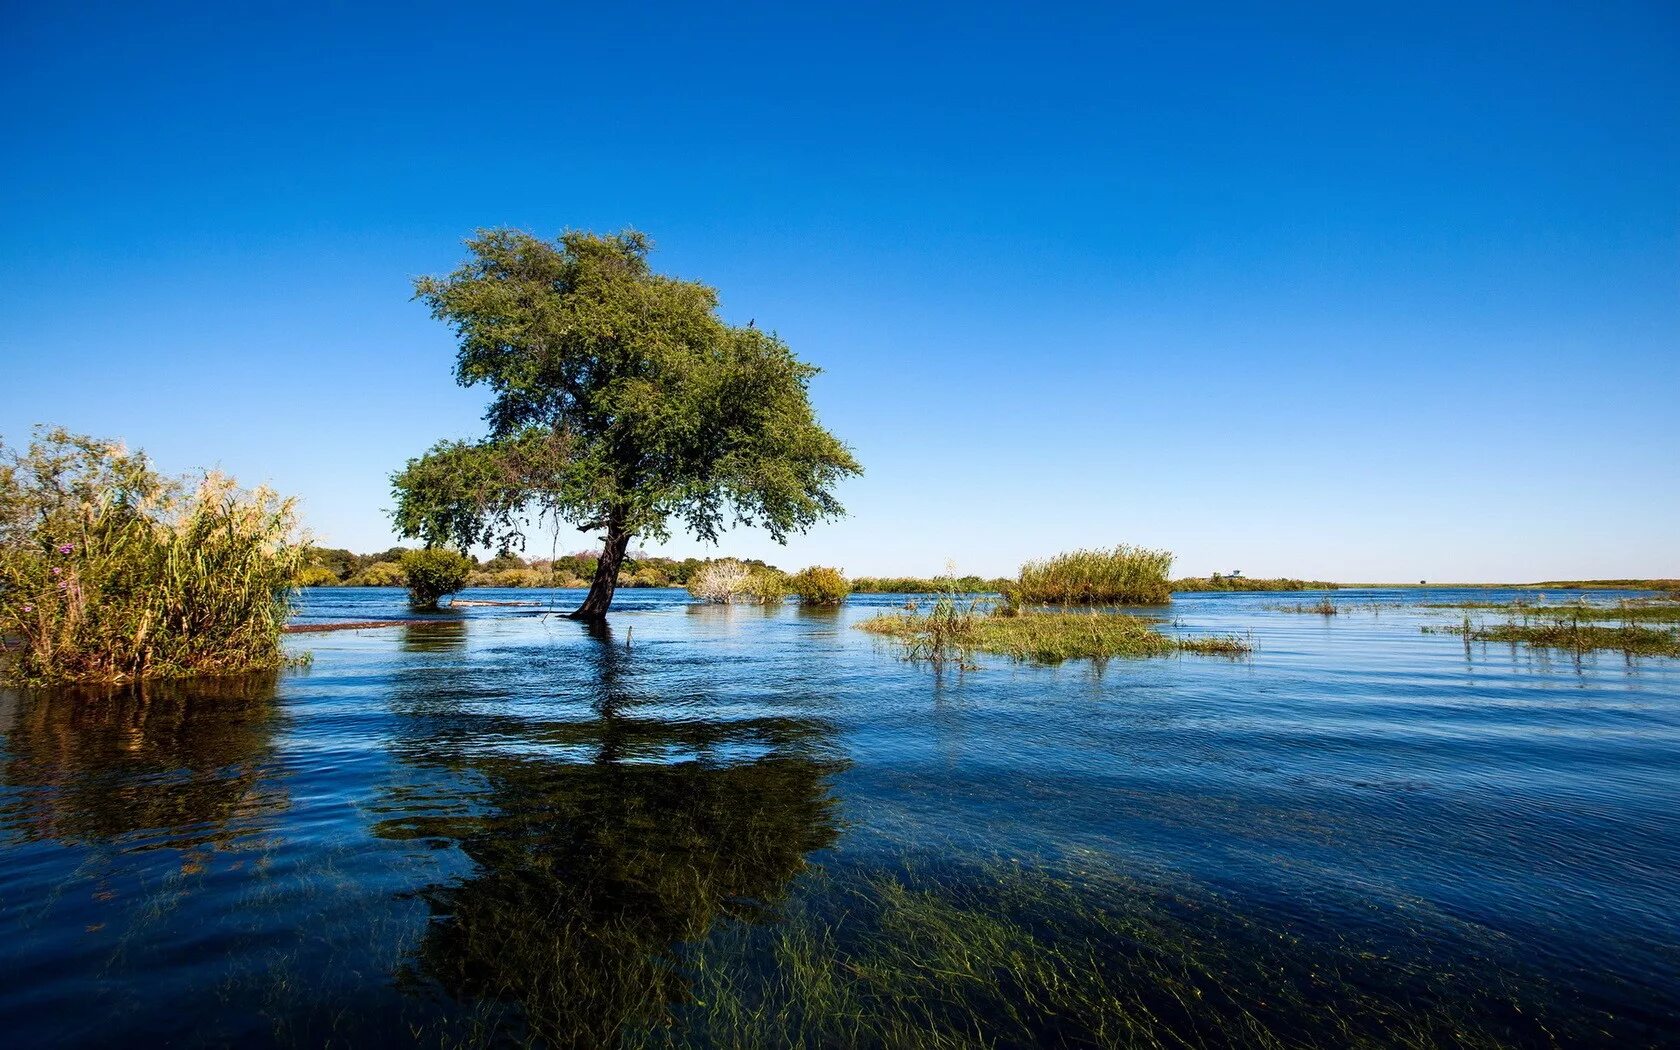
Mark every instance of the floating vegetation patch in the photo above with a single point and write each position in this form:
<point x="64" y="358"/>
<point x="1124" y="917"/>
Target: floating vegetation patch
<point x="1322" y="607"/>
<point x="952" y="632"/>
<point x="1644" y="611"/>
<point x="1575" y="635"/>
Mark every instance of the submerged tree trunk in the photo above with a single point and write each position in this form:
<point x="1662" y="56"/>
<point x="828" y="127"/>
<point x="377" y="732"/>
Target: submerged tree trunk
<point x="601" y="588"/>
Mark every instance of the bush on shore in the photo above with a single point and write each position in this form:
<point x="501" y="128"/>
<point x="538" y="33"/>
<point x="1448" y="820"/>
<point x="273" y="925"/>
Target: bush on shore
<point x="434" y="572"/>
<point x="819" y="585"/>
<point x="112" y="573"/>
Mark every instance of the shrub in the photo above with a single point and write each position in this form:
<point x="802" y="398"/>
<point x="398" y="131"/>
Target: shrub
<point x="380" y="574"/>
<point x="728" y="581"/>
<point x="433" y="573"/>
<point x="110" y="572"/>
<point x="721" y="581"/>
<point x="768" y="587"/>
<point x="820" y="585"/>
<point x="1123" y="575"/>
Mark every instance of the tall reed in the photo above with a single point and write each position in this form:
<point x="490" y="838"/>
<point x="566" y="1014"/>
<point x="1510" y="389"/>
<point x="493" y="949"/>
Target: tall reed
<point x="1122" y="575"/>
<point x="110" y="572"/>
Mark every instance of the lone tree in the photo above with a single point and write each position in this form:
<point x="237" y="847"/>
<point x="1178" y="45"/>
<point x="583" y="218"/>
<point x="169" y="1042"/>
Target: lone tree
<point x="621" y="400"/>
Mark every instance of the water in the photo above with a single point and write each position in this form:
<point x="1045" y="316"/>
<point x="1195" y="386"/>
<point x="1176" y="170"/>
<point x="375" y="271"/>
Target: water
<point x="495" y="825"/>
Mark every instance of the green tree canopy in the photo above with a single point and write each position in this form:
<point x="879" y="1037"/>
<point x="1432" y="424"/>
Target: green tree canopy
<point x="620" y="401"/>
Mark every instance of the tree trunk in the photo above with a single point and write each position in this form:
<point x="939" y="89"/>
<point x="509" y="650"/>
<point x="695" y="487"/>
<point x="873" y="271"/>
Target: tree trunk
<point x="601" y="588"/>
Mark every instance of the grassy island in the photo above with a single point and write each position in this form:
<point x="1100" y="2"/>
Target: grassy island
<point x="953" y="633"/>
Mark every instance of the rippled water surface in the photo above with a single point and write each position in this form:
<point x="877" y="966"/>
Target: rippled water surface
<point x="738" y="825"/>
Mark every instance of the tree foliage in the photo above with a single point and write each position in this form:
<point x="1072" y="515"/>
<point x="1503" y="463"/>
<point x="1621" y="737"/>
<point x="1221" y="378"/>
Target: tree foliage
<point x="620" y="401"/>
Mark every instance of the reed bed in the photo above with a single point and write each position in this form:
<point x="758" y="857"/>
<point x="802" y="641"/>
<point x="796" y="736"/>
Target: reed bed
<point x="952" y="632"/>
<point x="111" y="573"/>
<point x="1122" y="575"/>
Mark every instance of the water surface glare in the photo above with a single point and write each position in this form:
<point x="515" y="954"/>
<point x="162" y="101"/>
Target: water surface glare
<point x="747" y="826"/>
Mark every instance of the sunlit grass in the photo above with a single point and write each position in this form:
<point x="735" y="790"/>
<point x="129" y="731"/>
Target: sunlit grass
<point x="1121" y="575"/>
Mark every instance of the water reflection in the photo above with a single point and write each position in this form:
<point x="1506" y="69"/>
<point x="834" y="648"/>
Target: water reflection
<point x="437" y="635"/>
<point x="165" y="765"/>
<point x="602" y="842"/>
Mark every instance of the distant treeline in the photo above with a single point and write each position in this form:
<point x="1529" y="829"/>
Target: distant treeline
<point x="929" y="585"/>
<point x="329" y="567"/>
<point x="1217" y="582"/>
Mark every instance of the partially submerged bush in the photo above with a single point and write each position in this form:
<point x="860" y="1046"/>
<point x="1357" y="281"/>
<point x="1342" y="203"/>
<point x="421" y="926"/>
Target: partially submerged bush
<point x="727" y="581"/>
<point x="110" y="572"/>
<point x="1123" y="575"/>
<point x="433" y="573"/>
<point x="721" y="581"/>
<point x="820" y="585"/>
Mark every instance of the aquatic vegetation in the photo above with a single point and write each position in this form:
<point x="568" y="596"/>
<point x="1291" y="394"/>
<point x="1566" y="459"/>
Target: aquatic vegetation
<point x="1576" y="635"/>
<point x="1322" y="607"/>
<point x="1623" y="611"/>
<point x="110" y="572"/>
<point x="951" y="632"/>
<point x="721" y="581"/>
<point x="1121" y="575"/>
<point x="819" y="585"/>
<point x="1012" y="954"/>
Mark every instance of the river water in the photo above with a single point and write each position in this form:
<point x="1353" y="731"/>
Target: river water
<point x="731" y="826"/>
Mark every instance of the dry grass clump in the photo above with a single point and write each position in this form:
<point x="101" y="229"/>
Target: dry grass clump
<point x="727" y="581"/>
<point x="1122" y="575"/>
<point x="110" y="572"/>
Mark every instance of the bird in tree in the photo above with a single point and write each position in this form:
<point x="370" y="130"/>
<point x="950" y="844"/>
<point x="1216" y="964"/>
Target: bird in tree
<point x="621" y="401"/>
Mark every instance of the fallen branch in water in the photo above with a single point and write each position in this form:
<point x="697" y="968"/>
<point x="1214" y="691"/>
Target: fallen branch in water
<point x="351" y="625"/>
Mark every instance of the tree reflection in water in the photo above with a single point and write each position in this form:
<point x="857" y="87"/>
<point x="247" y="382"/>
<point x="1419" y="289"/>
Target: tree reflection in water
<point x="600" y="847"/>
<point x="181" y="765"/>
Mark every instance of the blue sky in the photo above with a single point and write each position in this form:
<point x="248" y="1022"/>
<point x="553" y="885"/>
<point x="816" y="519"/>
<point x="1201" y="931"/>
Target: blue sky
<point x="1313" y="290"/>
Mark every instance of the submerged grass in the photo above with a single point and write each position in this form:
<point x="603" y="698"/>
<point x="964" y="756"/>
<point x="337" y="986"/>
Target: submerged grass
<point x="1011" y="955"/>
<point x="951" y="633"/>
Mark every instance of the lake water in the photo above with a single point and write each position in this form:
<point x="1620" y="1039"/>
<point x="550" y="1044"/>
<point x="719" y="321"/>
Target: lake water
<point x="727" y="826"/>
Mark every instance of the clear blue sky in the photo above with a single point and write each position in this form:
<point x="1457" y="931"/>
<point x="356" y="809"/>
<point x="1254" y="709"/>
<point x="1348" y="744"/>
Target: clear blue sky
<point x="1332" y="290"/>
